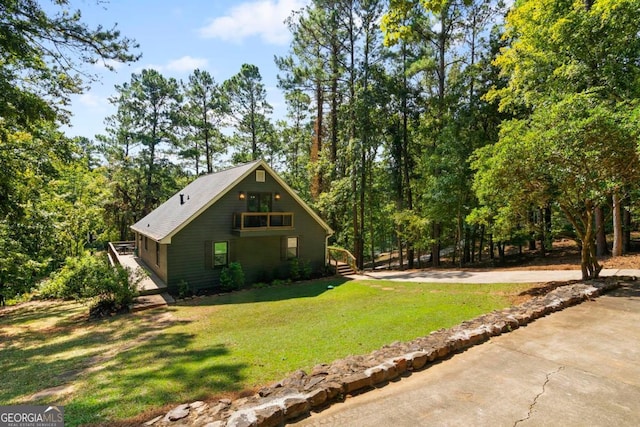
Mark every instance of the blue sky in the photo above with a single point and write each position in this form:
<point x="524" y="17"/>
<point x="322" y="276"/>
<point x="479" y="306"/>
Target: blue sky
<point x="176" y="37"/>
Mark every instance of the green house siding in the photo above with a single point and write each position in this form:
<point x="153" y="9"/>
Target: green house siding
<point x="262" y="254"/>
<point x="155" y="260"/>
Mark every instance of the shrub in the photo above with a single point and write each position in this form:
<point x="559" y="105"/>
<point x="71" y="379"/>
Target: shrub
<point x="90" y="279"/>
<point x="184" y="290"/>
<point x="294" y="269"/>
<point x="281" y="282"/>
<point x="299" y="269"/>
<point x="232" y="277"/>
<point x="306" y="270"/>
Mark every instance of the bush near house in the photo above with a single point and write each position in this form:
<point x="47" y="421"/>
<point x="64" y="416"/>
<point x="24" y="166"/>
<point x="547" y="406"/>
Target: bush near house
<point x="299" y="269"/>
<point x="232" y="277"/>
<point x="90" y="279"/>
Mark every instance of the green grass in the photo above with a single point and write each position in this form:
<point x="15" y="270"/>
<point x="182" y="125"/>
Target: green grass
<point x="211" y="346"/>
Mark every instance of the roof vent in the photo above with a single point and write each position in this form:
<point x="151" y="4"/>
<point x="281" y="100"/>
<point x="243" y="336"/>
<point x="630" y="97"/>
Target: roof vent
<point x="182" y="199"/>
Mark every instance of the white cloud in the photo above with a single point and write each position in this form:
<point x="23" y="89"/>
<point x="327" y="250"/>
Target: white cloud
<point x="93" y="101"/>
<point x="103" y="64"/>
<point x="263" y="18"/>
<point x="186" y="64"/>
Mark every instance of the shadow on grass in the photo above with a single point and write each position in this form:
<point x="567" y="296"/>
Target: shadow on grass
<point x="308" y="289"/>
<point x="164" y="370"/>
<point x="44" y="355"/>
<point x="33" y="311"/>
<point x="117" y="367"/>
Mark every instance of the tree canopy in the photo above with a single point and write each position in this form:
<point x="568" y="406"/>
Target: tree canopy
<point x="42" y="59"/>
<point x="417" y="128"/>
<point x="572" y="70"/>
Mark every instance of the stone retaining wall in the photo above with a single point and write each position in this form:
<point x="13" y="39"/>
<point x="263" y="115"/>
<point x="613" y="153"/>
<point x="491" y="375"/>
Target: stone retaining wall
<point x="301" y="392"/>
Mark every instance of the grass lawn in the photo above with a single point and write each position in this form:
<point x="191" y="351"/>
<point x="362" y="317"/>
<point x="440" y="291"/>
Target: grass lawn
<point x="118" y="368"/>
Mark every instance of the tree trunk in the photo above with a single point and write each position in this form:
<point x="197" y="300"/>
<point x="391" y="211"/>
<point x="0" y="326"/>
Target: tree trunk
<point x="474" y="236"/>
<point x="467" y="248"/>
<point x="617" y="226"/>
<point x="626" y="232"/>
<point x="601" y="235"/>
<point x="316" y="145"/>
<point x="547" y="229"/>
<point x="491" y="247"/>
<point x="541" y="227"/>
<point x="588" y="258"/>
<point x="435" y="247"/>
<point x="400" y="254"/>
<point x="501" y="251"/>
<point x="481" y="248"/>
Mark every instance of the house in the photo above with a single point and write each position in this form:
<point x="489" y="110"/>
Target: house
<point x="244" y="214"/>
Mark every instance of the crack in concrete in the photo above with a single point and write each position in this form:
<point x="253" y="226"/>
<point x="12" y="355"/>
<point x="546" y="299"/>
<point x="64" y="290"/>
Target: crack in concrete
<point x="535" y="399"/>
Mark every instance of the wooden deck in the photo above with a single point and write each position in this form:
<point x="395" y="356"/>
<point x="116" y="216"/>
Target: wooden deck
<point x="150" y="283"/>
<point x="151" y="289"/>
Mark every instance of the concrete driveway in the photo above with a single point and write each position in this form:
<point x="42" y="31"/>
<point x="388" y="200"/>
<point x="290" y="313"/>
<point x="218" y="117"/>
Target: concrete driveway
<point x="577" y="367"/>
<point x="487" y="276"/>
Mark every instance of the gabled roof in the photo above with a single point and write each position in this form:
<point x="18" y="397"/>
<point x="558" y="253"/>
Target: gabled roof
<point x="172" y="216"/>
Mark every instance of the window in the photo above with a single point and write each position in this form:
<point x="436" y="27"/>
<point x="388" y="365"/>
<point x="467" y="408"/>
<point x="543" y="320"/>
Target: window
<point x="146" y="243"/>
<point x="220" y="254"/>
<point x="260" y="176"/>
<point x="259" y="202"/>
<point x="292" y="247"/>
<point x="157" y="253"/>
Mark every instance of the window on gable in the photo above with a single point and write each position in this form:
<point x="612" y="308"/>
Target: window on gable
<point x="260" y="176"/>
<point x="220" y="254"/>
<point x="259" y="202"/>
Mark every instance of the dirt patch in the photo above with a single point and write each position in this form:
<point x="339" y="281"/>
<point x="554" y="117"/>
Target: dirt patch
<point x="53" y="391"/>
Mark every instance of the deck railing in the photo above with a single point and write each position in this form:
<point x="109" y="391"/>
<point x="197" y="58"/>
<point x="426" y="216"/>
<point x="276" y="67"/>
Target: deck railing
<point x="115" y="249"/>
<point x="262" y="220"/>
<point x="341" y="255"/>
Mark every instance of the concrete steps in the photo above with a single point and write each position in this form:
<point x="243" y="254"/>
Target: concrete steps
<point x="147" y="302"/>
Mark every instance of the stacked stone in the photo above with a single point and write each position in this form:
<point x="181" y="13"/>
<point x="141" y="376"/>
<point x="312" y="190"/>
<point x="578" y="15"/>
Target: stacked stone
<point x="301" y="392"/>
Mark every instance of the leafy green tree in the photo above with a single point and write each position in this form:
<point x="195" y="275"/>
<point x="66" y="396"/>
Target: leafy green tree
<point x="249" y="107"/>
<point x="44" y="53"/>
<point x="567" y="54"/>
<point x="148" y="109"/>
<point x="443" y="43"/>
<point x="204" y="112"/>
<point x="315" y="65"/>
<point x="75" y="201"/>
<point x="43" y="50"/>
<point x="574" y="153"/>
<point x="297" y="135"/>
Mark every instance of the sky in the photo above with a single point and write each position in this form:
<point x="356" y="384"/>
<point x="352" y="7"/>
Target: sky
<point x="177" y="37"/>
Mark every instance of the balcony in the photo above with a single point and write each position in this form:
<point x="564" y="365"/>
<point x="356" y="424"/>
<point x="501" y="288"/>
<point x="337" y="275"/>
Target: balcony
<point x="262" y="223"/>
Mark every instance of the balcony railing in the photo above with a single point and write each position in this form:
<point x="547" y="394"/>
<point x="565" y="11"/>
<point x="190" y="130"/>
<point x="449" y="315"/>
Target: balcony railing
<point x="246" y="221"/>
